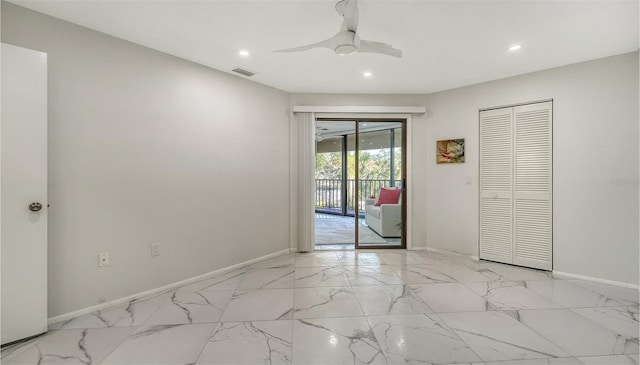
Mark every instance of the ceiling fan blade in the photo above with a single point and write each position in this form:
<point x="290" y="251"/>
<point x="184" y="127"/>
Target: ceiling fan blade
<point x="379" y="47"/>
<point x="328" y="43"/>
<point x="348" y="9"/>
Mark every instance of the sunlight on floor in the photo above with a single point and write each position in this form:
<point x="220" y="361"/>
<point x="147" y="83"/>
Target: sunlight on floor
<point x="335" y="232"/>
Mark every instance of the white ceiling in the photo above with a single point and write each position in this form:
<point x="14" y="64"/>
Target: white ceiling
<point x="446" y="44"/>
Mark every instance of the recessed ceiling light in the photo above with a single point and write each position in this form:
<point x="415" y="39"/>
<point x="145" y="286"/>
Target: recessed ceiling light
<point x="244" y="53"/>
<point x="515" y="47"/>
<point x="367" y="74"/>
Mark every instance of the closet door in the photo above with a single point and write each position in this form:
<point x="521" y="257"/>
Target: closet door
<point x="496" y="190"/>
<point x="532" y="187"/>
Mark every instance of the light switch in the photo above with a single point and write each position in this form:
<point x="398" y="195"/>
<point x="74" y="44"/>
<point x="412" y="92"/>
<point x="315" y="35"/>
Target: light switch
<point x="467" y="180"/>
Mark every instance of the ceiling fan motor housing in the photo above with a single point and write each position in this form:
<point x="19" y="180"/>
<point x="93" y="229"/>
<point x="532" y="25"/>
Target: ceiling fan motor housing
<point x="348" y="43"/>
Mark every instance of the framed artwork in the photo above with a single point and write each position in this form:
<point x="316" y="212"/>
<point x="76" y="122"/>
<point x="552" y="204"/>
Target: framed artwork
<point x="450" y="151"/>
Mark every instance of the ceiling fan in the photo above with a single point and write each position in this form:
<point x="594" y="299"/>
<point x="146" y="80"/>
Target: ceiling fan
<point x="347" y="41"/>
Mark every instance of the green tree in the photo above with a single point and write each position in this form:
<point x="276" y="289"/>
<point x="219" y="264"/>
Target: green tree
<point x="328" y="165"/>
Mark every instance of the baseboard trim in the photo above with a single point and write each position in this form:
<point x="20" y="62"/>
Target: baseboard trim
<point x="164" y="288"/>
<point x="567" y="275"/>
<point x="439" y="250"/>
<point x="416" y="248"/>
<point x="555" y="273"/>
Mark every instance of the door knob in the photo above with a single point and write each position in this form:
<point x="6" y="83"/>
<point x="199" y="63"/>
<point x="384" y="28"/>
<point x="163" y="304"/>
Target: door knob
<point x="35" y="207"/>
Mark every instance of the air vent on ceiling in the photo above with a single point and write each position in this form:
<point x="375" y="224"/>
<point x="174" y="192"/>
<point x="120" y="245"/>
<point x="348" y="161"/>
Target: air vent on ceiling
<point x="243" y="71"/>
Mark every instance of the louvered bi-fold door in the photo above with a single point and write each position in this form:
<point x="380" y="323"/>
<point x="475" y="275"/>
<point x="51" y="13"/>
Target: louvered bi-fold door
<point x="532" y="195"/>
<point x="516" y="185"/>
<point x="496" y="187"/>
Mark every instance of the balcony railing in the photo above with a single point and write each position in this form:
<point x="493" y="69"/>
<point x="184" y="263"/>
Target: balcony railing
<point x="329" y="193"/>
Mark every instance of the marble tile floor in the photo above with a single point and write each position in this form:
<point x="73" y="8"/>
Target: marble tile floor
<point x="357" y="307"/>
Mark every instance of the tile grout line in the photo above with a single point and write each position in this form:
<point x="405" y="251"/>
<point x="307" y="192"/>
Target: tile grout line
<point x="119" y="344"/>
<point x="211" y="334"/>
<point x="458" y="336"/>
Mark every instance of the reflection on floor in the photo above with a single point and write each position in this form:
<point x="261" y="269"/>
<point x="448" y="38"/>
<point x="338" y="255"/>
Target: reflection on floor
<point x="358" y="307"/>
<point x="339" y="230"/>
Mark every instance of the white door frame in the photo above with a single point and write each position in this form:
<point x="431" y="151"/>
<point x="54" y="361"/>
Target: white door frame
<point x="409" y="177"/>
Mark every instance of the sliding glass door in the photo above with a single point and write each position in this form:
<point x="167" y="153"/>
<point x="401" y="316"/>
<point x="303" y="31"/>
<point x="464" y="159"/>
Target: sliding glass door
<point x="360" y="170"/>
<point x="380" y="184"/>
<point x="335" y="153"/>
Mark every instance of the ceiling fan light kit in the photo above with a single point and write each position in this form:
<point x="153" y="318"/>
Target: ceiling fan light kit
<point x="347" y="41"/>
<point x="346" y="49"/>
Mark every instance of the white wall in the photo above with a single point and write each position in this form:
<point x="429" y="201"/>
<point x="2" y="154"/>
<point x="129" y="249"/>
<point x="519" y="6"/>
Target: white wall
<point x="146" y="147"/>
<point x="595" y="162"/>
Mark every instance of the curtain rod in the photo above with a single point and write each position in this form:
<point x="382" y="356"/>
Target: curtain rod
<point x="359" y="109"/>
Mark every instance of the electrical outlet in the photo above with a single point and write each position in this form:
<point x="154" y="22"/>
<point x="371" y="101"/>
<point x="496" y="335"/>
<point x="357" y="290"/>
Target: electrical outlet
<point x="467" y="180"/>
<point x="103" y="259"/>
<point x="102" y="300"/>
<point x="155" y="249"/>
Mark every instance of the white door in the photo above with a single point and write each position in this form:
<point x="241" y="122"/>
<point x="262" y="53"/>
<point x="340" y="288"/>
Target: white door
<point x="532" y="185"/>
<point x="516" y="185"/>
<point x="23" y="146"/>
<point x="496" y="185"/>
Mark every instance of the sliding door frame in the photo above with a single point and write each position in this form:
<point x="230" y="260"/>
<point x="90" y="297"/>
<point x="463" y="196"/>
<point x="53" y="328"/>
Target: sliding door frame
<point x="357" y="119"/>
